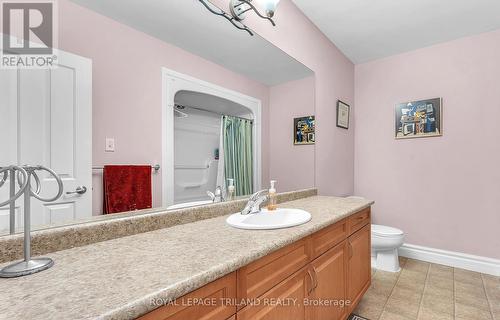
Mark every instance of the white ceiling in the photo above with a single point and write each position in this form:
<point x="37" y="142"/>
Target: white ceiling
<point x="189" y="25"/>
<point x="370" y="29"/>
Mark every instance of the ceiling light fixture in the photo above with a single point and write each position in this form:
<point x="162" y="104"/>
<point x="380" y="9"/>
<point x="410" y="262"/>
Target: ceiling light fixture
<point x="219" y="12"/>
<point x="239" y="8"/>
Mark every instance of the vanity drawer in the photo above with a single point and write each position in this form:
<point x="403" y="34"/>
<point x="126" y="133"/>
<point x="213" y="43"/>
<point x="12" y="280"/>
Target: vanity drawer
<point x="291" y="292"/>
<point x="358" y="221"/>
<point x="206" y="303"/>
<point x="329" y="237"/>
<point x="260" y="276"/>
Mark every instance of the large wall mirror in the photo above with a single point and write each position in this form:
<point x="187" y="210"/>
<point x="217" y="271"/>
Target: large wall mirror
<point x="154" y="105"/>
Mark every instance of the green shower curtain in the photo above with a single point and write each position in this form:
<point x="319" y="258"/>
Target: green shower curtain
<point x="238" y="153"/>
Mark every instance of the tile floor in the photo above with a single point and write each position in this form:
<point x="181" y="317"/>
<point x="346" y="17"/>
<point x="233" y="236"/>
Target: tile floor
<point x="427" y="291"/>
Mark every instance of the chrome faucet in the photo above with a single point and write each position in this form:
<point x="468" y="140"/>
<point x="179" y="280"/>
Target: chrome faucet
<point x="217" y="194"/>
<point x="255" y="201"/>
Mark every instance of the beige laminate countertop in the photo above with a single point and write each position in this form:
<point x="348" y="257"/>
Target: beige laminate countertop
<point x="117" y="279"/>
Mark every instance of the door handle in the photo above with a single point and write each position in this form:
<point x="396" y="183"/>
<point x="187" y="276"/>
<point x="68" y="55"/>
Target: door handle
<point x="78" y="190"/>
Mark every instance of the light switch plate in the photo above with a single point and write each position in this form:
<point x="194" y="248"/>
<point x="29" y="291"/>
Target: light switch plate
<point x="110" y="145"/>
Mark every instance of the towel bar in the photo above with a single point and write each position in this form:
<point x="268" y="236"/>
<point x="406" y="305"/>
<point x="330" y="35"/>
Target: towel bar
<point x="156" y="168"/>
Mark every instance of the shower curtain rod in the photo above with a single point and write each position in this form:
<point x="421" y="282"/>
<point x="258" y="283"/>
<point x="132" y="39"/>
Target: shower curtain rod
<point x="210" y="111"/>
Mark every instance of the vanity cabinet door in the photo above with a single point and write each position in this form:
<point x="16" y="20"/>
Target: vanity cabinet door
<point x="326" y="301"/>
<point x="359" y="264"/>
<point x="284" y="301"/>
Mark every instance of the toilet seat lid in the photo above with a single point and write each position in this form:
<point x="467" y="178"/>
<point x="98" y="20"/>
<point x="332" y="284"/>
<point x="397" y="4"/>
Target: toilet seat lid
<point x="385" y="230"/>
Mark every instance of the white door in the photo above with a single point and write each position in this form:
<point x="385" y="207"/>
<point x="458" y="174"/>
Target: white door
<point x="46" y="118"/>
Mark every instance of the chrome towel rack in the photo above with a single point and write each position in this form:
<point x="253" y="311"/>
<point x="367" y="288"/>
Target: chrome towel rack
<point x="155" y="167"/>
<point x="25" y="175"/>
<point x="10" y="172"/>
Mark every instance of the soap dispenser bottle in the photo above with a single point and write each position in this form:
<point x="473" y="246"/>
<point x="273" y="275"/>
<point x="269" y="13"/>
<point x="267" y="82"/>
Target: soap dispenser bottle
<point x="230" y="190"/>
<point x="272" y="196"/>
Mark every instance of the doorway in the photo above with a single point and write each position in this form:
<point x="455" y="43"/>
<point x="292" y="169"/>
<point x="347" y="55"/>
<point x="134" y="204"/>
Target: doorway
<point x="178" y="85"/>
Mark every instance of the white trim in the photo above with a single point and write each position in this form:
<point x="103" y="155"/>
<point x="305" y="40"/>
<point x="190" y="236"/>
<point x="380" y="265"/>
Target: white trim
<point x="173" y="82"/>
<point x="452" y="259"/>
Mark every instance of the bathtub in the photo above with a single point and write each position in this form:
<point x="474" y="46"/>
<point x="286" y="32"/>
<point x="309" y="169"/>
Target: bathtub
<point x="189" y="204"/>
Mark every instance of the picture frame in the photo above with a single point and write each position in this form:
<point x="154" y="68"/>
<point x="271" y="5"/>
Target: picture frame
<point x="418" y="119"/>
<point x="304" y="130"/>
<point x="343" y="114"/>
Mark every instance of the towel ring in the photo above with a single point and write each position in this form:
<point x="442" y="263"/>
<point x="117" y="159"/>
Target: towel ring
<point x="30" y="173"/>
<point x="5" y="174"/>
<point x="22" y="186"/>
<point x="38" y="189"/>
<point x="60" y="186"/>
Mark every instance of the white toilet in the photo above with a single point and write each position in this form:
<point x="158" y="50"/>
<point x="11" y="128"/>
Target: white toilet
<point x="385" y="244"/>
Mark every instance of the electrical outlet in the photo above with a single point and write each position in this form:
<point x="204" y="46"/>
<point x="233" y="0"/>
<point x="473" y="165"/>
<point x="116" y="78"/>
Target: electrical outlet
<point x="110" y="145"/>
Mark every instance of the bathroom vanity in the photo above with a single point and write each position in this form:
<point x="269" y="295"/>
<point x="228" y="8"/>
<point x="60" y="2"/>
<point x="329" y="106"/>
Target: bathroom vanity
<point x="322" y="276"/>
<point x="183" y="269"/>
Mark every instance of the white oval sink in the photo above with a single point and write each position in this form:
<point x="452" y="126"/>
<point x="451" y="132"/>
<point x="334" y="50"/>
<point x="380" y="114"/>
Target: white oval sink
<point x="265" y="220"/>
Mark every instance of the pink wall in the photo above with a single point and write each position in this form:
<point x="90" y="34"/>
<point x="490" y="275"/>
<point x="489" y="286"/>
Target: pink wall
<point x="292" y="166"/>
<point x="334" y="79"/>
<point x="443" y="192"/>
<point x="127" y="87"/>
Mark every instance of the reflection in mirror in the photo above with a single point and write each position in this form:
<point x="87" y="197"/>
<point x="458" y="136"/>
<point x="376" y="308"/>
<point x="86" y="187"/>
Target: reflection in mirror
<point x="152" y="105"/>
<point x="213" y="149"/>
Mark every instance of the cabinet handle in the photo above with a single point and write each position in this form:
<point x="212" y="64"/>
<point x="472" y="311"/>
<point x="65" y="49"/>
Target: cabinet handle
<point x="350" y="250"/>
<point x="315" y="278"/>
<point x="312" y="282"/>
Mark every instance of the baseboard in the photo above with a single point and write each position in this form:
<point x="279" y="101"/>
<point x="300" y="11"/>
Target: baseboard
<point x="452" y="259"/>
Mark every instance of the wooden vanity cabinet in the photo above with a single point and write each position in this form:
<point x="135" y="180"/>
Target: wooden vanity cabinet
<point x="328" y="294"/>
<point x="359" y="264"/>
<point x="336" y="273"/>
<point x="310" y="279"/>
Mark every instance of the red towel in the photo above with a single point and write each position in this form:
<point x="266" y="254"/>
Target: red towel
<point x="127" y="188"/>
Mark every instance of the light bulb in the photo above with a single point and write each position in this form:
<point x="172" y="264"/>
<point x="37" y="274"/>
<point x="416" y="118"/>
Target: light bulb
<point x="269" y="6"/>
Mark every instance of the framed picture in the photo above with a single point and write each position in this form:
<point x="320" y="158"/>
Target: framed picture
<point x="418" y="119"/>
<point x="343" y="112"/>
<point x="304" y="130"/>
